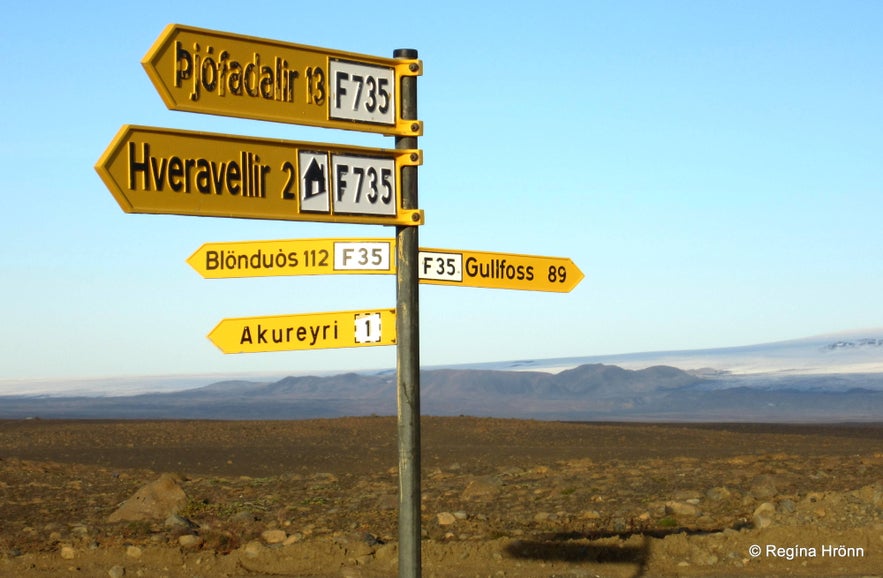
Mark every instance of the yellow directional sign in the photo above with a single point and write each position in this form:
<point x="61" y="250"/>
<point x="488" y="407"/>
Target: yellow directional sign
<point x="307" y="331"/>
<point x="198" y="70"/>
<point x="294" y="257"/>
<point x="342" y="256"/>
<point x="497" y="270"/>
<point x="156" y="170"/>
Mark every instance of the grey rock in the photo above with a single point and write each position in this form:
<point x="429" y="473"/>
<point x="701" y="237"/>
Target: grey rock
<point x="764" y="487"/>
<point x="718" y="493"/>
<point x="176" y="521"/>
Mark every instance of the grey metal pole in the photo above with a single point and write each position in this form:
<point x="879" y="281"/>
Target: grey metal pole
<point x="408" y="349"/>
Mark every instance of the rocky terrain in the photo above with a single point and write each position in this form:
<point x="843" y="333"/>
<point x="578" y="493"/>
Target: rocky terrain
<point x="508" y="498"/>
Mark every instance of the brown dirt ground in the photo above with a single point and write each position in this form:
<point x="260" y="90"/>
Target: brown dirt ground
<point x="510" y="498"/>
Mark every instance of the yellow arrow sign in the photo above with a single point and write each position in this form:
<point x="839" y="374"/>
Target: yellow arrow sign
<point x="497" y="270"/>
<point x="294" y="257"/>
<point x="342" y="256"/>
<point x="156" y="170"/>
<point x="198" y="70"/>
<point x="307" y="331"/>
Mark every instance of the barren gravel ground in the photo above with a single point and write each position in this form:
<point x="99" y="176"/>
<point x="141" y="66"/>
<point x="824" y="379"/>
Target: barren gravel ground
<point x="510" y="498"/>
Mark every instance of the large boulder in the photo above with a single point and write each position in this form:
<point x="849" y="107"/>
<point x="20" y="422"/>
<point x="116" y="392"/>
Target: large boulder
<point x="157" y="500"/>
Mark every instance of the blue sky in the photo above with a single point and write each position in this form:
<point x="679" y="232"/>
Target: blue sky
<point x="714" y="168"/>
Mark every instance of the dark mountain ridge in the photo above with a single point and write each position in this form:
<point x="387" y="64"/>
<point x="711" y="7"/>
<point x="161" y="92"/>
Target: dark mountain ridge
<point x="588" y="392"/>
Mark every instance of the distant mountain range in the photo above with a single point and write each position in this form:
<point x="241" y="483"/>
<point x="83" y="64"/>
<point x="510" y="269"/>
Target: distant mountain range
<point x="829" y="378"/>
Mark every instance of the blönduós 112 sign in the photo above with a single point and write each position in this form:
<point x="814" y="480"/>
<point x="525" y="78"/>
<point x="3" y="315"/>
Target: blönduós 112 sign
<point x="293" y="257"/>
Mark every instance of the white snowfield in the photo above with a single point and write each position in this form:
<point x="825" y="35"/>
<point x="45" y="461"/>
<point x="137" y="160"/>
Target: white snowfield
<point x="852" y="353"/>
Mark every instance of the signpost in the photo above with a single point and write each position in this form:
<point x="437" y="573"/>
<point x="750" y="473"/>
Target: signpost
<point x="163" y="171"/>
<point x="156" y="170"/>
<point x="308" y="331"/>
<point x="293" y="257"/>
<point x="206" y="71"/>
<point x="452" y="267"/>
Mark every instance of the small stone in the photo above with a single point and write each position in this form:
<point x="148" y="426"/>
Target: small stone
<point x="190" y="541"/>
<point x="253" y="549"/>
<point x="244" y="516"/>
<point x="446" y="518"/>
<point x="68" y="553"/>
<point x="134" y="552"/>
<point x="763" y="515"/>
<point x="274" y="536"/>
<point x="296" y="537"/>
<point x="117" y="572"/>
<point x="681" y="509"/>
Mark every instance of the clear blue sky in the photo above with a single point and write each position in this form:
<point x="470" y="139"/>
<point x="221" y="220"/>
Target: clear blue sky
<point x="714" y="168"/>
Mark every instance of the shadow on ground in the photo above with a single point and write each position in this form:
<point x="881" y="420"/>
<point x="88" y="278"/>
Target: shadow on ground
<point x="578" y="547"/>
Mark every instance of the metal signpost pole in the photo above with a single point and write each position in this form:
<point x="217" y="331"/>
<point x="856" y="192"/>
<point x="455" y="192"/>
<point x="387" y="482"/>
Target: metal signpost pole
<point x="408" y="349"/>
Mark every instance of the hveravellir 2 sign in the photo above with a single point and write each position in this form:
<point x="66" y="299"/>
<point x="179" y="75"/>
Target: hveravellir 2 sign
<point x="198" y="70"/>
<point x="155" y="170"/>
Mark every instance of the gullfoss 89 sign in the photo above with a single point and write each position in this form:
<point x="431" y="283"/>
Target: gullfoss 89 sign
<point x="497" y="270"/>
<point x="198" y="70"/>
